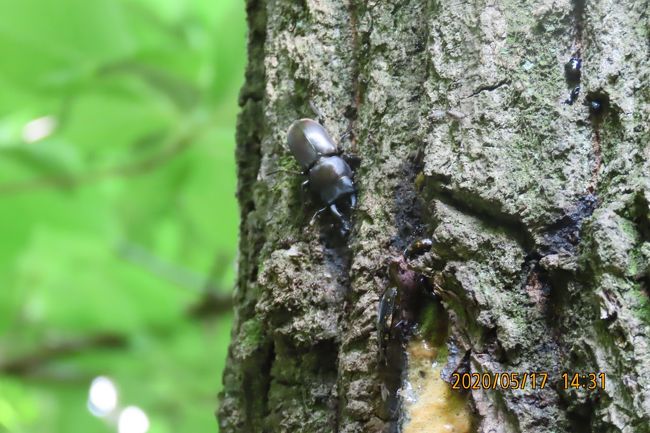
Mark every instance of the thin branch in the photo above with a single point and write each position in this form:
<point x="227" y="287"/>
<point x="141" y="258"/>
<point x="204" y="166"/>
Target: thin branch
<point x="26" y="364"/>
<point x="130" y="169"/>
<point x="213" y="300"/>
<point x="211" y="304"/>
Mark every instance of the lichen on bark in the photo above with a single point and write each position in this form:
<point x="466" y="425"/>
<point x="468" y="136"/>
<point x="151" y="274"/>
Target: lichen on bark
<point x="539" y="210"/>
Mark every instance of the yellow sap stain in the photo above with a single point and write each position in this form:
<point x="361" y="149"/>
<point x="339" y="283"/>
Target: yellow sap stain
<point x="430" y="404"/>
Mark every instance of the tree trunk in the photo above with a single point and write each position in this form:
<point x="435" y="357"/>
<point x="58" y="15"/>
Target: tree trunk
<point x="537" y="208"/>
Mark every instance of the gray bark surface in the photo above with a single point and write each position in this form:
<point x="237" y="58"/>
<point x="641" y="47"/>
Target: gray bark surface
<point x="539" y="210"/>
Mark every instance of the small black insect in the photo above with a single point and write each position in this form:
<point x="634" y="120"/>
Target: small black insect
<point x="418" y="247"/>
<point x="573" y="96"/>
<point x="385" y="315"/>
<point x="595" y="107"/>
<point x="329" y="175"/>
<point x="572" y="70"/>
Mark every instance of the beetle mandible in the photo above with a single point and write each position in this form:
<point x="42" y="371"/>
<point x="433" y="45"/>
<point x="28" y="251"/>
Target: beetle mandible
<point x="328" y="175"/>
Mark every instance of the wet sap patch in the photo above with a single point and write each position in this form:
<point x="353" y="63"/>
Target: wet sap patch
<point x="429" y="403"/>
<point x="414" y="353"/>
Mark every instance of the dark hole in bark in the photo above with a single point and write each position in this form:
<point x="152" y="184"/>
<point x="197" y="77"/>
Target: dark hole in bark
<point x="581" y="417"/>
<point x="563" y="235"/>
<point x="641" y="211"/>
<point x="598" y="103"/>
<point x="493" y="346"/>
<point x="642" y="221"/>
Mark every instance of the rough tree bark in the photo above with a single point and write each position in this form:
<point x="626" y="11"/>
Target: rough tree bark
<point x="539" y="210"/>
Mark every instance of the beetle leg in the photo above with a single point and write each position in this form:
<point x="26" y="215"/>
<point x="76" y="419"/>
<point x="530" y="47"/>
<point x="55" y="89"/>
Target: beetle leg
<point x="305" y="186"/>
<point x="353" y="201"/>
<point x="345" y="227"/>
<point x="318" y="212"/>
<point x="573" y="96"/>
<point x="345" y="135"/>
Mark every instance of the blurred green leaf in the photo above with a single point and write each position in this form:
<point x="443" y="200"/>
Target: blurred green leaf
<point x="52" y="43"/>
<point x="116" y="219"/>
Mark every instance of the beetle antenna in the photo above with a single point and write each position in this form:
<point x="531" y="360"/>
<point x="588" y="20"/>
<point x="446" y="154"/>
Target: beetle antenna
<point x="282" y="170"/>
<point x="345" y="135"/>
<point x="319" y="114"/>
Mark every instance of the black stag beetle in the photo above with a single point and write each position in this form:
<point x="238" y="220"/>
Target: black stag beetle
<point x="401" y="302"/>
<point x="329" y="175"/>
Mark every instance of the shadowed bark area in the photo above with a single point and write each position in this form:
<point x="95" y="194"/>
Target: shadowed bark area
<point x="538" y="210"/>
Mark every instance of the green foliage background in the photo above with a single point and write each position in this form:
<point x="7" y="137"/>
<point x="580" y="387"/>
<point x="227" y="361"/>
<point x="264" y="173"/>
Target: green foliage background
<point x="123" y="218"/>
